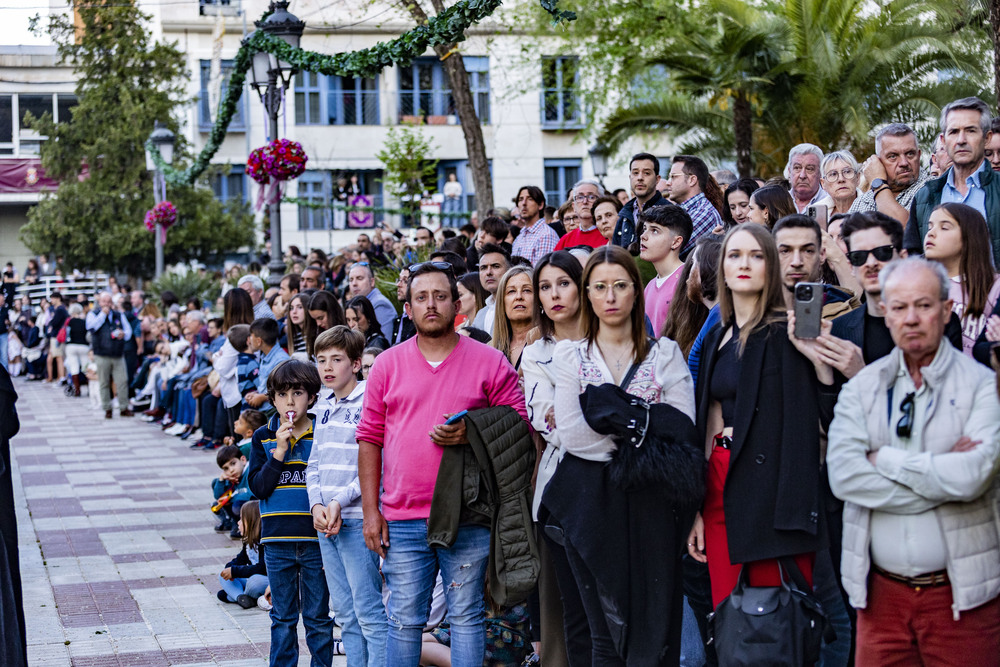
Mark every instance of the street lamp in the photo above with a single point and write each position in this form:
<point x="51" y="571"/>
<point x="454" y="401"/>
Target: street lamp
<point x="163" y="139"/>
<point x="265" y="72"/>
<point x="599" y="161"/>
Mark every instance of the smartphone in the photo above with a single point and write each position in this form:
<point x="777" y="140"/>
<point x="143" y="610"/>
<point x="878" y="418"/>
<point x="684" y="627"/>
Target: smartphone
<point x="808" y="309"/>
<point x="820" y="213"/>
<point x="457" y="417"/>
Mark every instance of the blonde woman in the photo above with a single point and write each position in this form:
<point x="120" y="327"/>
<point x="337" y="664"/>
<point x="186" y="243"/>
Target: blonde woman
<point x="514" y="312"/>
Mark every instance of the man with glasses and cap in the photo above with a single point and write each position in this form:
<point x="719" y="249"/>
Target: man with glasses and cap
<point x="912" y="453"/>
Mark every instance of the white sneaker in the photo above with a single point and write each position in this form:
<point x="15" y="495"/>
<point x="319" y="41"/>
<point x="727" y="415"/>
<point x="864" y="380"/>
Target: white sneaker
<point x="176" y="429"/>
<point x="263" y="603"/>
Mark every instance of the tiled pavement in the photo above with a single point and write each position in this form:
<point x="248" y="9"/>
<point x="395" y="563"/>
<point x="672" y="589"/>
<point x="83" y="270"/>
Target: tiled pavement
<point x="118" y="556"/>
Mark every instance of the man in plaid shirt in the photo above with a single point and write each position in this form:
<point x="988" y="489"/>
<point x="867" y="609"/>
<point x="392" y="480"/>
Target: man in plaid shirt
<point x="536" y="239"/>
<point x="688" y="180"/>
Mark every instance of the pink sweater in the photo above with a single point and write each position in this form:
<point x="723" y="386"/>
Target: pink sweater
<point x="658" y="299"/>
<point x="406" y="397"/>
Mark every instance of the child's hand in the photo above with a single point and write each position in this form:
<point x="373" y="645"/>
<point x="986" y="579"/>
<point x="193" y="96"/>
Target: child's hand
<point x="333" y="519"/>
<point x="284" y="440"/>
<point x="228" y="440"/>
<point x="319" y="517"/>
<point x="227" y="574"/>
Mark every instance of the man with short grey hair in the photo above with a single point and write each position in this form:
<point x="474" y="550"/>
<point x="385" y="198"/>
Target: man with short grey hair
<point x="253" y="286"/>
<point x="802" y="171"/>
<point x="361" y="282"/>
<point x="584" y="194"/>
<point x="893" y="173"/>
<point x="966" y="129"/>
<point x="912" y="451"/>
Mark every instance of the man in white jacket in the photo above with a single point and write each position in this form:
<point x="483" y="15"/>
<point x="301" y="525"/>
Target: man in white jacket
<point x="913" y="452"/>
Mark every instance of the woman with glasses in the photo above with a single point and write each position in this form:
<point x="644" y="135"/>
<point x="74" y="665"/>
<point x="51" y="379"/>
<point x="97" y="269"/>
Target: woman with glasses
<point x="556" y="282"/>
<point x="759" y="417"/>
<point x="622" y="546"/>
<point x="585" y="195"/>
<point x="839" y="175"/>
<point x="568" y="217"/>
<point x="514" y="311"/>
<point x="360" y="315"/>
<point x="957" y="236"/>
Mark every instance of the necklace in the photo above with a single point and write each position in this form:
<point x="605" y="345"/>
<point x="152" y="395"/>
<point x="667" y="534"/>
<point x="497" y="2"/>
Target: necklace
<point x="619" y="360"/>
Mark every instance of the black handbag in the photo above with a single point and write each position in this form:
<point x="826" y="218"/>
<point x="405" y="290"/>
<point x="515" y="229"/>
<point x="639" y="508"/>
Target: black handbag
<point x="780" y="626"/>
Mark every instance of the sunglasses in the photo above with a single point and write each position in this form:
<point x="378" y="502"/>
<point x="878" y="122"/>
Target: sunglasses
<point x="440" y="266"/>
<point x="883" y="253"/>
<point x="904" y="428"/>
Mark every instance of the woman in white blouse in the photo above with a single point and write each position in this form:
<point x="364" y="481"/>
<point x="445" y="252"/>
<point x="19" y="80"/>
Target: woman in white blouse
<point x="598" y="522"/>
<point x="556" y="284"/>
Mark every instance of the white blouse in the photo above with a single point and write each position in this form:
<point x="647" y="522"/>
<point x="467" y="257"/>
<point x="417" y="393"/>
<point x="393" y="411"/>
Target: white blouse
<point x="539" y="390"/>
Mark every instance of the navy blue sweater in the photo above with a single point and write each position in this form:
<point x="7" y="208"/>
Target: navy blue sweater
<point x="281" y="486"/>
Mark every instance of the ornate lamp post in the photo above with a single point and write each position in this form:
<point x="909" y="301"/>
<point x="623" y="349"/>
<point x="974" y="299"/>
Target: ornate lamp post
<point x="164" y="140"/>
<point x="266" y="73"/>
<point x="599" y="161"/>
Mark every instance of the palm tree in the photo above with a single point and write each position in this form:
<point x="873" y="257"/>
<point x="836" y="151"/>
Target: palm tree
<point x="761" y="79"/>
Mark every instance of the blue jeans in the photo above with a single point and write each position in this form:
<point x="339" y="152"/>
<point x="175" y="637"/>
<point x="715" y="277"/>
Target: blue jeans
<point x="410" y="569"/>
<point x="254" y="586"/>
<point x="355" y="585"/>
<point x="827" y="591"/>
<point x="295" y="570"/>
<point x="3" y="350"/>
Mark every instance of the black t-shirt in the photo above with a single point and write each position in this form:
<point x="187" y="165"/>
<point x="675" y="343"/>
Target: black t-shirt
<point x="726" y="379"/>
<point x="76" y="331"/>
<point x="877" y="342"/>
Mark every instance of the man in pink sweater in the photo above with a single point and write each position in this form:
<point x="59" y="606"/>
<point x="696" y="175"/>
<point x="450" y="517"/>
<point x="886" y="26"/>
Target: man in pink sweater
<point x="412" y="389"/>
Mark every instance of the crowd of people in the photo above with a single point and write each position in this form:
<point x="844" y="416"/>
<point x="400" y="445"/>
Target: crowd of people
<point x="544" y="457"/>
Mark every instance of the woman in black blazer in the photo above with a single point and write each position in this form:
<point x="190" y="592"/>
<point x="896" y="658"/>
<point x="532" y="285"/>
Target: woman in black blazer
<point x="759" y="416"/>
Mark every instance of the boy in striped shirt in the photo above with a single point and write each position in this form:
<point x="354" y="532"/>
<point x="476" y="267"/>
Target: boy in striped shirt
<point x="277" y="477"/>
<point x="352" y="571"/>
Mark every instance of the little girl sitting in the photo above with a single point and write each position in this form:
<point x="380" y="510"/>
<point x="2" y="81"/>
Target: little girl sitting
<point x="245" y="577"/>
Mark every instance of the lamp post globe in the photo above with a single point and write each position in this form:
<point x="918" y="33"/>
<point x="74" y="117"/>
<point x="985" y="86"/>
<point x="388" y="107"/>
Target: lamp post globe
<point x="163" y="139"/>
<point x="599" y="161"/>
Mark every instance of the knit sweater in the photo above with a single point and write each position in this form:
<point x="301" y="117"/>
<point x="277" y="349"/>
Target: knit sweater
<point x="281" y="486"/>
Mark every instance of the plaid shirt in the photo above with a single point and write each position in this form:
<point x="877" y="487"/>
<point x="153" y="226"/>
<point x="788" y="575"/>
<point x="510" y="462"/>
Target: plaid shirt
<point x="866" y="202"/>
<point x="535" y="242"/>
<point x="703" y="216"/>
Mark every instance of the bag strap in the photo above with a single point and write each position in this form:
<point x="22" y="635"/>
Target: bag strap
<point x="795" y="574"/>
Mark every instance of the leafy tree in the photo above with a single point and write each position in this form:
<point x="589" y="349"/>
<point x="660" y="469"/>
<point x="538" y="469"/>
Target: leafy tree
<point x="406" y="156"/>
<point x="125" y="83"/>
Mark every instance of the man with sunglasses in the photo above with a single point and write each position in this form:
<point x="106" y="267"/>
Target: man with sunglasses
<point x="912" y="451"/>
<point x="410" y="394"/>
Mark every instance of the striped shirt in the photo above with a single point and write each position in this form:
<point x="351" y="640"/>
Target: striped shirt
<point x="332" y="473"/>
<point x="281" y="485"/>
<point x="247" y="369"/>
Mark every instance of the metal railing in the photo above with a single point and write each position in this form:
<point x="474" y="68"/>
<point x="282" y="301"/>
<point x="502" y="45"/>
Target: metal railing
<point x="70" y="287"/>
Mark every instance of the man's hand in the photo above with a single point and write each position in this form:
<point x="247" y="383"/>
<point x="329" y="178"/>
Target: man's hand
<point x="872" y="169"/>
<point x="319" y="517"/>
<point x="809" y="347"/>
<point x="333" y="519"/>
<point x="227" y="574"/>
<point x="965" y="444"/>
<point x="841" y="354"/>
<point x="376" y="532"/>
<point x="449" y="434"/>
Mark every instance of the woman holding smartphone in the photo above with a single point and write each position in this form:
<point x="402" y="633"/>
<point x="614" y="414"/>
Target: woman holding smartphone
<point x="759" y="417"/>
<point x="629" y="541"/>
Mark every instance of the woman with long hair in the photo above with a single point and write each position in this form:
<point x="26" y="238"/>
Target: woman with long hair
<point x="360" y="315"/>
<point x="325" y="311"/>
<point x="686" y="316"/>
<point x="736" y="201"/>
<point x="514" y="311"/>
<point x="703" y="285"/>
<point x="301" y="328"/>
<point x="472" y="298"/>
<point x="758" y="418"/>
<point x="957" y="236"/>
<point x="622" y="542"/>
<point x="770" y="204"/>
<point x="237" y="308"/>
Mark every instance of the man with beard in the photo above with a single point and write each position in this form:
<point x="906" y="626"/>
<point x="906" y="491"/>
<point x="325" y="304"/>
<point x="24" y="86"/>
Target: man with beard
<point x="893" y="173"/>
<point x="401" y="438"/>
<point x="644" y="174"/>
<point x="536" y="239"/>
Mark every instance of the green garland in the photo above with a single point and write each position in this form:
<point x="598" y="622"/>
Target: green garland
<point x="372" y="209"/>
<point x="447" y="27"/>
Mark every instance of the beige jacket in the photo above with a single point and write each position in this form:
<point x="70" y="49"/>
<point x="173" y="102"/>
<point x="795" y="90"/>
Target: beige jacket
<point x="961" y="489"/>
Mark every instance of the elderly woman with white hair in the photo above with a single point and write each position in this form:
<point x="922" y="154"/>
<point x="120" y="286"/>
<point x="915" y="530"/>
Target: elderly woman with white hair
<point x="839" y="175"/>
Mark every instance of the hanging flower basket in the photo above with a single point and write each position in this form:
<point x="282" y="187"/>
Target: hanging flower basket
<point x="163" y="214"/>
<point x="255" y="166"/>
<point x="284" y="159"/>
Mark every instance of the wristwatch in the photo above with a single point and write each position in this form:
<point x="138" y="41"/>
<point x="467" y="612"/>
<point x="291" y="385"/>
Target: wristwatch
<point x="878" y="184"/>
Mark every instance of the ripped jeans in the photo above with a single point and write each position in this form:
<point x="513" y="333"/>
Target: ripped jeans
<point x="410" y="569"/>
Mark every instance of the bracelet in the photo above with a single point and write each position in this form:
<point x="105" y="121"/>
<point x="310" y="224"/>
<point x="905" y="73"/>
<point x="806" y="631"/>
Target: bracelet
<point x="884" y="187"/>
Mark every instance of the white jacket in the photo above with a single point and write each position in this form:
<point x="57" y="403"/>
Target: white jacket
<point x="960" y="488"/>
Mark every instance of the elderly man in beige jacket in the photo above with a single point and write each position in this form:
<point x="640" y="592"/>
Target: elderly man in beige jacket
<point x="913" y="452"/>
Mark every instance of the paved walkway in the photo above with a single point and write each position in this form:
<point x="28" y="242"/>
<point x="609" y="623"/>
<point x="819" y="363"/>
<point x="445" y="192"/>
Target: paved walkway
<point x="118" y="556"/>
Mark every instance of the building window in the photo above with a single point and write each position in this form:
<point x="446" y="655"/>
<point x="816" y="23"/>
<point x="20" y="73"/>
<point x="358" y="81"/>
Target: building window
<point x="230" y="186"/>
<point x="308" y="99"/>
<point x="560" y="97"/>
<point x="64" y="107"/>
<point x="313" y="187"/>
<point x="6" y="124"/>
<point x="560" y="176"/>
<point x="424" y="89"/>
<point x="205" y="118"/>
<point x="335" y="100"/>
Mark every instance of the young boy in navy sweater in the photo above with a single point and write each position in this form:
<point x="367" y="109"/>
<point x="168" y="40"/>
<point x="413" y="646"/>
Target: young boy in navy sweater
<point x="277" y="477"/>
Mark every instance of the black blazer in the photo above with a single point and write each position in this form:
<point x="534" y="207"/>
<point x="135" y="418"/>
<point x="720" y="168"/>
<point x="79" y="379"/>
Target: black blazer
<point x="772" y="495"/>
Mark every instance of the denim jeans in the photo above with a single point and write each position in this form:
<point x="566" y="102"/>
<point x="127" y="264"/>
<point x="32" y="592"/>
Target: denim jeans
<point x="295" y="571"/>
<point x="355" y="585"/>
<point x="826" y="589"/>
<point x="410" y="569"/>
<point x="254" y="586"/>
<point x="3" y="350"/>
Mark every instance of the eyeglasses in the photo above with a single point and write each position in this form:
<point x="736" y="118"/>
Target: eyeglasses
<point x="585" y="198"/>
<point x="440" y="266"/>
<point x="883" y="253"/>
<point x="846" y="173"/>
<point x="905" y="426"/>
<point x="619" y="287"/>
